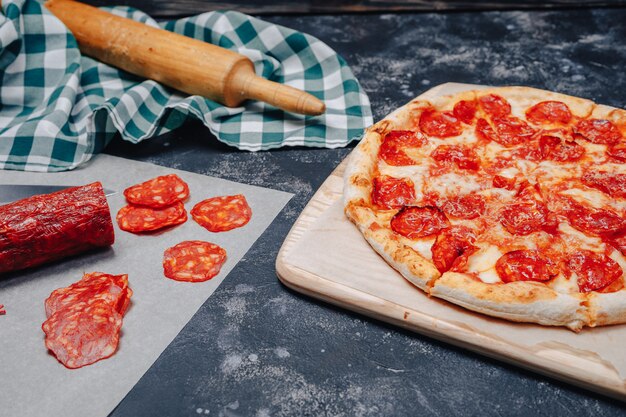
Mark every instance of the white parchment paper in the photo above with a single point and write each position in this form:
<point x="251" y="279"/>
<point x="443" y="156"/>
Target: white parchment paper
<point x="33" y="382"/>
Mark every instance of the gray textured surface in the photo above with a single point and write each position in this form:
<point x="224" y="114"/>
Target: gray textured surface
<point x="258" y="349"/>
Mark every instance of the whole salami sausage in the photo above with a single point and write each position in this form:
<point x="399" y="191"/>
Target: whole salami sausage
<point x="48" y="227"/>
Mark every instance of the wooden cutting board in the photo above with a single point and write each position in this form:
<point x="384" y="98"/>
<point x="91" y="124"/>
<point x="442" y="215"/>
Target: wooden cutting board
<point x="326" y="257"/>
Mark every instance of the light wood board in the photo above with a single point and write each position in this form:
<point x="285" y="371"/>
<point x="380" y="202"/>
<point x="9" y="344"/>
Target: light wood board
<point x="326" y="257"/>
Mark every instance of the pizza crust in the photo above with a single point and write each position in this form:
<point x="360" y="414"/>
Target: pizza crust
<point x="605" y="309"/>
<point x="518" y="301"/>
<point x="515" y="301"/>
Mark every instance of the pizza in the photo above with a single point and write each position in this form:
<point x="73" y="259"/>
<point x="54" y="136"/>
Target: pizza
<point x="507" y="201"/>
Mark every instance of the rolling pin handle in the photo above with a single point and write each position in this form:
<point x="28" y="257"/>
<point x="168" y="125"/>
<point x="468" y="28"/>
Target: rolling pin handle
<point x="245" y="84"/>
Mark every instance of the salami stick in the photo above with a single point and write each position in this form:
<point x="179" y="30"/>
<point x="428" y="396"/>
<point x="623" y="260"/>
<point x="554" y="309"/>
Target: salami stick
<point x="48" y="227"/>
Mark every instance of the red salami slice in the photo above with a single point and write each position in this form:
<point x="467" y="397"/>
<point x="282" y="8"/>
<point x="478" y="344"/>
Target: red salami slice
<point x="594" y="270"/>
<point x="136" y="219"/>
<point x="193" y="261"/>
<point x="613" y="184"/>
<point x="548" y="112"/>
<point x="452" y="248"/>
<point x="466" y="207"/>
<point x="440" y="124"/>
<point x="525" y="265"/>
<point x="416" y="222"/>
<point x="48" y="227"/>
<point x="392" y="149"/>
<point x="220" y="214"/>
<point x="389" y="192"/>
<point x="83" y="333"/>
<point x="617" y="151"/>
<point x="525" y="217"/>
<point x="599" y="222"/>
<point x="112" y="289"/>
<point x="158" y="192"/>
<point x="556" y="149"/>
<point x="500" y="181"/>
<point x="619" y="243"/>
<point x="599" y="131"/>
<point x="511" y="131"/>
<point x="465" y="110"/>
<point x="495" y="105"/>
<point x="463" y="157"/>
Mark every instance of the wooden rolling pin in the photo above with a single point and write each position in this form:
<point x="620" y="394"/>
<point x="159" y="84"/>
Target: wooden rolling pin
<point x="186" y="64"/>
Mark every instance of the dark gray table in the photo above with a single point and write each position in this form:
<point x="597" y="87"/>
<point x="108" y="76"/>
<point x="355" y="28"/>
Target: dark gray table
<point x="258" y="349"/>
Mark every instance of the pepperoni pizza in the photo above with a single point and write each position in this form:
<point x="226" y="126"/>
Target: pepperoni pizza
<point x="507" y="201"/>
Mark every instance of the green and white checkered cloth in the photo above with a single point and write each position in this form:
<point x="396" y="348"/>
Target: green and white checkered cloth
<point x="58" y="109"/>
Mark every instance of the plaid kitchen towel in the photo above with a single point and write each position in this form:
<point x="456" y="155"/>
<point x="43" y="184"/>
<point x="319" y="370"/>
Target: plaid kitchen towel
<point x="58" y="109"/>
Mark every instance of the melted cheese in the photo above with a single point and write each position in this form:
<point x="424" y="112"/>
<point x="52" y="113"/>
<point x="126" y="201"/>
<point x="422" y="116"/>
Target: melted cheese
<point x="575" y="239"/>
<point x="563" y="285"/>
<point x="453" y="184"/>
<point x="483" y="263"/>
<point x="491" y="150"/>
<point x="594" y="198"/>
<point x="555" y="171"/>
<point x="422" y="246"/>
<point x="620" y="259"/>
<point x="489" y="276"/>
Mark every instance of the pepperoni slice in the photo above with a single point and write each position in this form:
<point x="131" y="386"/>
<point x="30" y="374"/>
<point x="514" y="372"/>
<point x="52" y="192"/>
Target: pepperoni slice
<point x="618" y="151"/>
<point x="553" y="148"/>
<point x="599" y="222"/>
<point x="465" y="110"/>
<point x="503" y="182"/>
<point x="613" y="184"/>
<point x="452" y="248"/>
<point x="390" y="192"/>
<point x="440" y="124"/>
<point x="83" y="333"/>
<point x="416" y="222"/>
<point x="511" y="131"/>
<point x="220" y="214"/>
<point x="528" y="151"/>
<point x="548" y="112"/>
<point x="193" y="261"/>
<point x="485" y="132"/>
<point x="525" y="217"/>
<point x="495" y="105"/>
<point x="158" y="192"/>
<point x="112" y="289"/>
<point x="137" y="219"/>
<point x="594" y="270"/>
<point x="525" y="265"/>
<point x="466" y="207"/>
<point x="599" y="131"/>
<point x="395" y="142"/>
<point x="463" y="156"/>
<point x="619" y="243"/>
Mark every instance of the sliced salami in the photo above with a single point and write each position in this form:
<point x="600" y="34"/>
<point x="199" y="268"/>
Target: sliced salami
<point x="594" y="270"/>
<point x="193" y="261"/>
<point x="83" y="333"/>
<point x="220" y="214"/>
<point x="48" y="227"/>
<point x="112" y="289"/>
<point x="390" y="192"/>
<point x="84" y="318"/>
<point x="136" y="219"/>
<point x="158" y="192"/>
